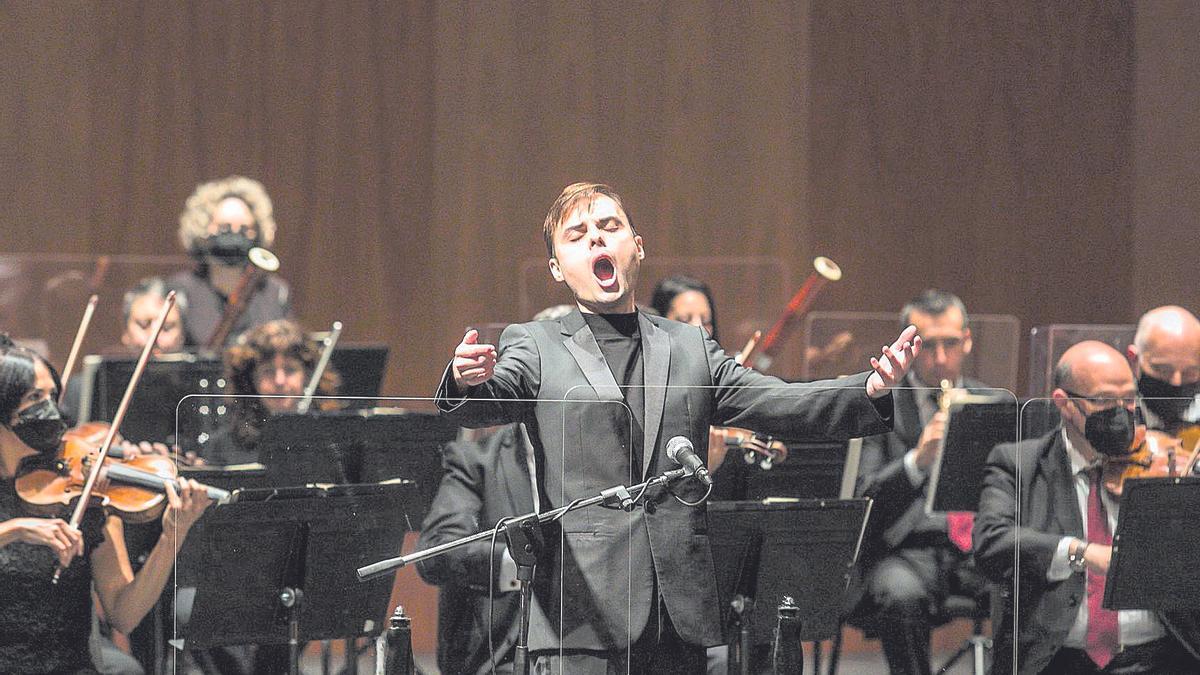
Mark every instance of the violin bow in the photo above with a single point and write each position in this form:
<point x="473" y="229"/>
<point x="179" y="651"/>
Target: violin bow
<point x="326" y="352"/>
<point x="75" y="346"/>
<point x="98" y="461"/>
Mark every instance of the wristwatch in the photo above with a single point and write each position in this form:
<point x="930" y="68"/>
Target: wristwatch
<point x="1075" y="556"/>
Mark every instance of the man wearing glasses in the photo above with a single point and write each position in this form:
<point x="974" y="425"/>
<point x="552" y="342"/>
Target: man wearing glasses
<point x="1065" y="526"/>
<point x="908" y="563"/>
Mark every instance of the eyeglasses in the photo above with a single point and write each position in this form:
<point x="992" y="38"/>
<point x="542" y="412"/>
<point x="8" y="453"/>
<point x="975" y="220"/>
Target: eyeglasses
<point x="946" y="343"/>
<point x="1104" y="402"/>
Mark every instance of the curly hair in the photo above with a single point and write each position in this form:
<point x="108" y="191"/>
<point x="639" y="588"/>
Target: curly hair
<point x="261" y="345"/>
<point x="199" y="208"/>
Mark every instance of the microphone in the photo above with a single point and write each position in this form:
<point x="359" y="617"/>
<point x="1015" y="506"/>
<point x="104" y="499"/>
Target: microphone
<point x="681" y="451"/>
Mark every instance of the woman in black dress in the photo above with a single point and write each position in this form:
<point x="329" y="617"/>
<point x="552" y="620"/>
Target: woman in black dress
<point x="44" y="627"/>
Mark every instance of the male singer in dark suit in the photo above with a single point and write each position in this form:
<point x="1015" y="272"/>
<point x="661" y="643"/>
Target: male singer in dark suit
<point x="1065" y="535"/>
<point x="908" y="564"/>
<point x="601" y="391"/>
<point x="483" y="482"/>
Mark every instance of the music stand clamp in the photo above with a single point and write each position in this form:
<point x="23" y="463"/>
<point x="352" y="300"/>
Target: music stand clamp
<point x="525" y="543"/>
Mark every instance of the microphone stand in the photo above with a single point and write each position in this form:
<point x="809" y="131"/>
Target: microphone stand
<point x="524" y="537"/>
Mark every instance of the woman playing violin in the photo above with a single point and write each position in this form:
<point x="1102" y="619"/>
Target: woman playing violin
<point x="45" y="627"/>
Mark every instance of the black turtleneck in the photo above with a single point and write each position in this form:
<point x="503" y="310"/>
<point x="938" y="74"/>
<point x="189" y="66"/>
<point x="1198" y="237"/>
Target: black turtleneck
<point x="620" y="342"/>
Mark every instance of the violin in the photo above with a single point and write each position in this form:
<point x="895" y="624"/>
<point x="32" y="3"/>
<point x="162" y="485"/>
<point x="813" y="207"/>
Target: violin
<point x="1156" y="454"/>
<point x="756" y="448"/>
<point x="134" y="489"/>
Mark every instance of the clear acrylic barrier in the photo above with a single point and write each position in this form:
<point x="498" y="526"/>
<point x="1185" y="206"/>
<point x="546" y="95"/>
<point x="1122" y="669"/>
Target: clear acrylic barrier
<point x="1047" y="474"/>
<point x="42" y="296"/>
<point x="262" y="443"/>
<point x="1047" y="344"/>
<point x="838" y="343"/>
<point x="595" y="586"/>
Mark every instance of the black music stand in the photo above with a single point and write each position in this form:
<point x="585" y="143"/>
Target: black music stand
<point x="165" y="382"/>
<point x="278" y="565"/>
<point x="767" y="551"/>
<point x="1154" y="548"/>
<point x="357" y="447"/>
<point x="956" y="478"/>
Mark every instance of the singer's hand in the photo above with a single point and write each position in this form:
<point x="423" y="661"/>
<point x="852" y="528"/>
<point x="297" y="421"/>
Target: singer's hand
<point x="473" y="363"/>
<point x="893" y="362"/>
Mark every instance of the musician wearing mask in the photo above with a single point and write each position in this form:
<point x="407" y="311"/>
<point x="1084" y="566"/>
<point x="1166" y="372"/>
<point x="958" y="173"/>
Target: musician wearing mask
<point x="1064" y="534"/>
<point x="639" y="594"/>
<point x="220" y="224"/>
<point x="909" y="564"/>
<point x="45" y="627"/>
<point x="1165" y="356"/>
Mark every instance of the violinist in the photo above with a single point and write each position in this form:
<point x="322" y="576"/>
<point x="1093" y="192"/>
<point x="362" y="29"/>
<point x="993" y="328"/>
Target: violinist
<point x="1165" y="356"/>
<point x="45" y="627"/>
<point x="220" y="224"/>
<point x="266" y="372"/>
<point x="909" y="562"/>
<point x="1065" y="534"/>
<point x="141" y="306"/>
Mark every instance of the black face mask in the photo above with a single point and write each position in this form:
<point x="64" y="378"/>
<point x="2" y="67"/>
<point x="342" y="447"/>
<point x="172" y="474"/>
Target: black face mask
<point x="41" y="426"/>
<point x="1166" y="400"/>
<point x="227" y="248"/>
<point x="1110" y="431"/>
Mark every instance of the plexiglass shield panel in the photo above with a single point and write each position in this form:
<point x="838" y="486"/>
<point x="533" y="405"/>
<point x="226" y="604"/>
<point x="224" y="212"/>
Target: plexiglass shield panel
<point x="1081" y="535"/>
<point x="839" y="343"/>
<point x="43" y="296"/>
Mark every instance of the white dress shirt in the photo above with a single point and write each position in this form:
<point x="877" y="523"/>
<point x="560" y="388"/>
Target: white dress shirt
<point x="1134" y="626"/>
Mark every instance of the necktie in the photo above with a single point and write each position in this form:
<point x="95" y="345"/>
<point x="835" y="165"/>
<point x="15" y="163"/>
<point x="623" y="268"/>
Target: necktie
<point x="1102" y="635"/>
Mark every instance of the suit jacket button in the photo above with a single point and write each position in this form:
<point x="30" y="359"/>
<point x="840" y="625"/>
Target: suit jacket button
<point x="1074" y="601"/>
<point x="650" y="507"/>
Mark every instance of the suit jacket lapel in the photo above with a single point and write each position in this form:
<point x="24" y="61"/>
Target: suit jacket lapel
<point x="584" y="349"/>
<point x="656" y="363"/>
<point x="1057" y="468"/>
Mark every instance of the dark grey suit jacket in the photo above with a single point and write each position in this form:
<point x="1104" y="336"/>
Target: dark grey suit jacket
<point x="482" y="483"/>
<point x="595" y="586"/>
<point x="1049" y="511"/>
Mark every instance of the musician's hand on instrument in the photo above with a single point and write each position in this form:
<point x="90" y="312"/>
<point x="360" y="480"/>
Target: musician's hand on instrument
<point x="156" y="448"/>
<point x="54" y="533"/>
<point x="1097" y="557"/>
<point x="474" y="363"/>
<point x="130" y="450"/>
<point x="893" y="362"/>
<point x="183" y="509"/>
<point x="931" y="438"/>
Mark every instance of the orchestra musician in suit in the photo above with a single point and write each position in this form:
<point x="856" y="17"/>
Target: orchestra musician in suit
<point x="1165" y="357"/>
<point x="1045" y="497"/>
<point x="908" y="564"/>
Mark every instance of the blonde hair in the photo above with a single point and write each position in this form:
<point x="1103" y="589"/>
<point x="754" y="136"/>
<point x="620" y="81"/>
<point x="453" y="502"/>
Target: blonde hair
<point x="569" y="197"/>
<point x="198" y="210"/>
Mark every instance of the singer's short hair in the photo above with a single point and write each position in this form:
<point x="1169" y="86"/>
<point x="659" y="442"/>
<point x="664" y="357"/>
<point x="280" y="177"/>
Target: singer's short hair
<point x="571" y="195"/>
